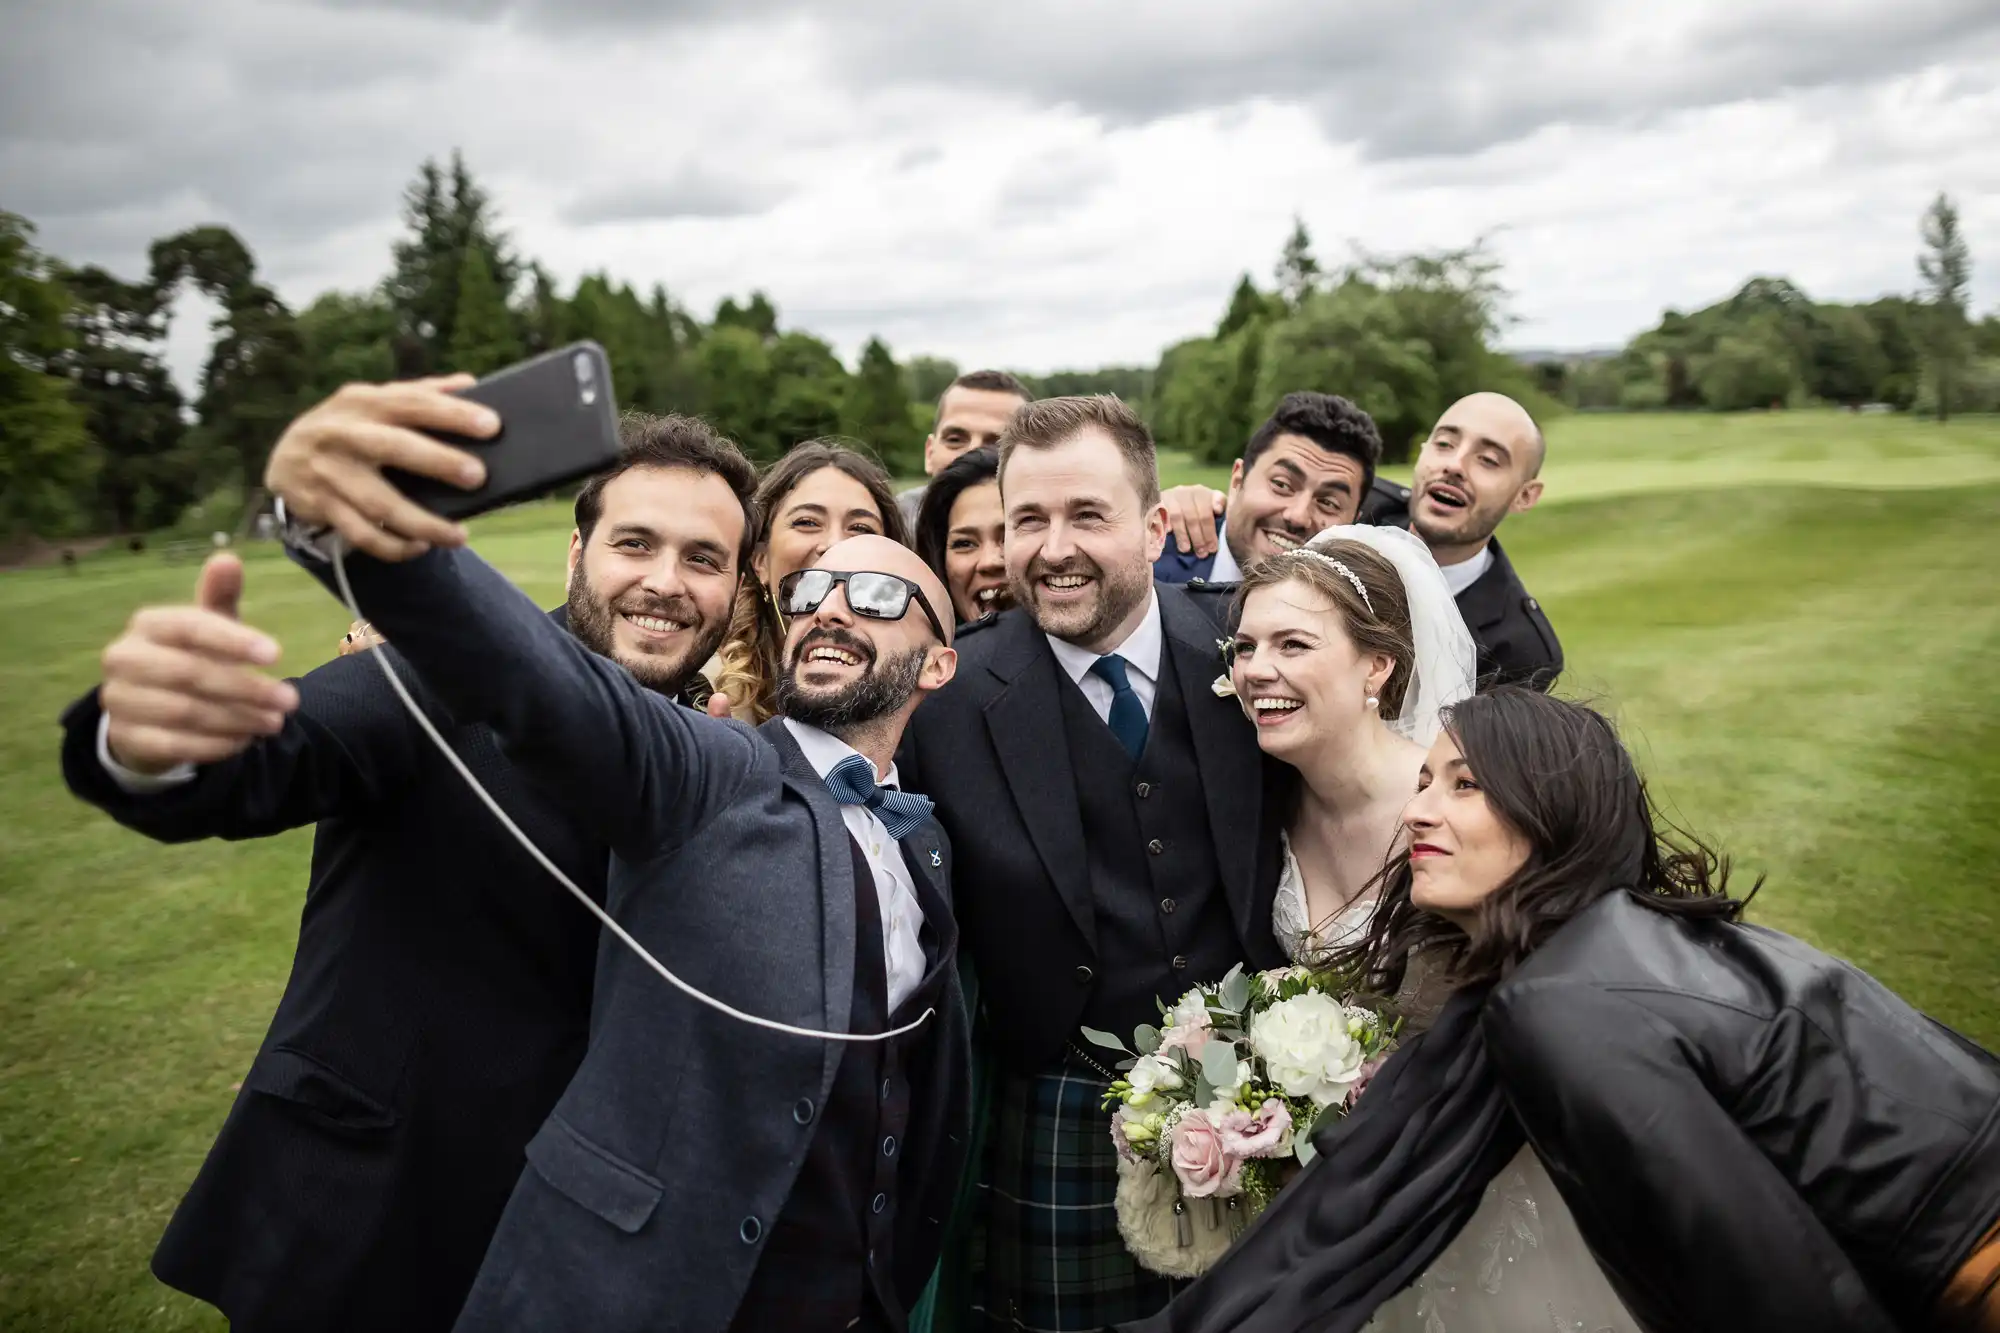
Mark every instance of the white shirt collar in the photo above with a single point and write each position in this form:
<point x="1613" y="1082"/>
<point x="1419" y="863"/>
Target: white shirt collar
<point x="1225" y="569"/>
<point x="1465" y="573"/>
<point x="1141" y="649"/>
<point x="823" y="750"/>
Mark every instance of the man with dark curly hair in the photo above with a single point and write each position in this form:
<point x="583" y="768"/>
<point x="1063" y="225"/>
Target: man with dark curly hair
<point x="1304" y="469"/>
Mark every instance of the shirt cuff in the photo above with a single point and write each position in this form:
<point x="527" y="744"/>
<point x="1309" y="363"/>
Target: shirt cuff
<point x="309" y="538"/>
<point x="136" y="784"/>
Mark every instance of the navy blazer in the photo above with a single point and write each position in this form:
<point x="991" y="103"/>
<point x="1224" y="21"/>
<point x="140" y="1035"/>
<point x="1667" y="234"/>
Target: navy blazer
<point x="1178" y="566"/>
<point x="438" y="1004"/>
<point x="661" y="1170"/>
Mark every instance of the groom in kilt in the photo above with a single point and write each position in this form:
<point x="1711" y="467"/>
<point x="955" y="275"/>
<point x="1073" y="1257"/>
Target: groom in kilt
<point x="1109" y="811"/>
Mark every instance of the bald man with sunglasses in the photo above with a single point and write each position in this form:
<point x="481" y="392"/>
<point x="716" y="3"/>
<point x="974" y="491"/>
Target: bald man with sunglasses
<point x="701" y="1173"/>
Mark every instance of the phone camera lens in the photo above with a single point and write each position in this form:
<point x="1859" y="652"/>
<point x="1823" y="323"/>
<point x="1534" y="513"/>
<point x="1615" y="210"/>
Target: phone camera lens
<point x="586" y="378"/>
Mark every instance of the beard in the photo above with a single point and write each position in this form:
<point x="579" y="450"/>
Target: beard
<point x="1115" y="596"/>
<point x="882" y="689"/>
<point x="1462" y="527"/>
<point x="594" y="622"/>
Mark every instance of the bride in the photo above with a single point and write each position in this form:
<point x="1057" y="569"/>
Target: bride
<point x="1347" y="649"/>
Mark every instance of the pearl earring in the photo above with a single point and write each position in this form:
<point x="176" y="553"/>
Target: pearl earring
<point x="1373" y="701"/>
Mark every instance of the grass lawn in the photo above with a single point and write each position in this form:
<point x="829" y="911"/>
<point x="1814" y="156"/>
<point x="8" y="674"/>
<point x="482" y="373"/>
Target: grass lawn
<point x="1794" y="616"/>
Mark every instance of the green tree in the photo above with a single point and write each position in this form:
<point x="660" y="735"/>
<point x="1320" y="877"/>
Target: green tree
<point x="878" y="411"/>
<point x="929" y="377"/>
<point x="256" y="372"/>
<point x="759" y="316"/>
<point x="736" y="382"/>
<point x="348" y="337"/>
<point x="809" y="387"/>
<point x="1847" y="364"/>
<point x="46" y="458"/>
<point x="1297" y="272"/>
<point x="483" y="335"/>
<point x="133" y="409"/>
<point x="1247" y="304"/>
<point x="1945" y="265"/>
<point x="448" y="214"/>
<point x="1747" y="370"/>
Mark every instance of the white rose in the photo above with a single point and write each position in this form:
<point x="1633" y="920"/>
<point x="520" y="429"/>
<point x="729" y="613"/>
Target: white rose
<point x="1149" y="1076"/>
<point x="1191" y="1011"/>
<point x="1306" y="1048"/>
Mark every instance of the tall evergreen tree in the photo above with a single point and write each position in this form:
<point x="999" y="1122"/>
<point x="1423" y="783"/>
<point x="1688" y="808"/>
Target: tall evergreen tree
<point x="448" y="214"/>
<point x="1246" y="304"/>
<point x="1297" y="272"/>
<point x="483" y="337"/>
<point x="878" y="410"/>
<point x="256" y="372"/>
<point x="1946" y="267"/>
<point x="46" y="459"/>
<point x="134" y="411"/>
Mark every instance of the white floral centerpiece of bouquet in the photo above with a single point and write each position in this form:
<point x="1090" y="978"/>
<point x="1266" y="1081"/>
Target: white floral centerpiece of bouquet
<point x="1217" y="1107"/>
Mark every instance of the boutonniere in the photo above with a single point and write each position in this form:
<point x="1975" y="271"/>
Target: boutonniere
<point x="1221" y="686"/>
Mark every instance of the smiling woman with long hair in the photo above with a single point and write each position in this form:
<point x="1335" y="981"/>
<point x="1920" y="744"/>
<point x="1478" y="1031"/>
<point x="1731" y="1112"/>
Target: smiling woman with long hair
<point x="1747" y="1134"/>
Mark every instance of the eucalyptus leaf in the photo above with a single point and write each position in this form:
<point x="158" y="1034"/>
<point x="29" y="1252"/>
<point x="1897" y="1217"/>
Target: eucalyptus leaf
<point x="1204" y="1091"/>
<point x="1218" y="1063"/>
<point x="1125" y="1066"/>
<point x="1306" y="1151"/>
<point x="1147" y="1038"/>
<point x="1105" y="1039"/>
<point x="1236" y="989"/>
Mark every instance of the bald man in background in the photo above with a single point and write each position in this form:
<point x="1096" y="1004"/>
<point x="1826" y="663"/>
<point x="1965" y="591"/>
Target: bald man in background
<point x="1481" y="462"/>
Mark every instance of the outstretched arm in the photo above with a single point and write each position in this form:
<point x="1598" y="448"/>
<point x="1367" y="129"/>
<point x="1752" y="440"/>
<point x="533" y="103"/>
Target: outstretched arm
<point x="1692" y="1221"/>
<point x="632" y="767"/>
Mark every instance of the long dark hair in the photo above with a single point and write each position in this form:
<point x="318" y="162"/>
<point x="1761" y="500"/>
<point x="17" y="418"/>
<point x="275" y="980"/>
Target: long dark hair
<point x="974" y="467"/>
<point x="750" y="657"/>
<point x="1557" y="774"/>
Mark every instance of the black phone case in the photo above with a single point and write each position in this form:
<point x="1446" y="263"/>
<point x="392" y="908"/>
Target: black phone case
<point x="551" y="432"/>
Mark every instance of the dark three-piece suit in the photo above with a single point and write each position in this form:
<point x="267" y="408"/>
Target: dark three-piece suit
<point x="699" y="1173"/>
<point x="1090" y="886"/>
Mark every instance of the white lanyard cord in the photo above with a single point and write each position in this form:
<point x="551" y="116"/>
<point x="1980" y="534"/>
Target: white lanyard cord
<point x="347" y="595"/>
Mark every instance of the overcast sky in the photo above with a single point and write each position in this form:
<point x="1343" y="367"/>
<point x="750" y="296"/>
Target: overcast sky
<point x="1034" y="184"/>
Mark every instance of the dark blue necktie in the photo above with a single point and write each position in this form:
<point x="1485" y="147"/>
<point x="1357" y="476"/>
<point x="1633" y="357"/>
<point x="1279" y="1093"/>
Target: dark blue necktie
<point x="852" y="782"/>
<point x="1128" y="715"/>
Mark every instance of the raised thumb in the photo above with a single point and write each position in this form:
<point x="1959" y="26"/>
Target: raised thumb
<point x="221" y="585"/>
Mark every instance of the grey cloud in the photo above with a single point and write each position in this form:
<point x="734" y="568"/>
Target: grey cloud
<point x="1051" y="188"/>
<point x="1399" y="77"/>
<point x="692" y="193"/>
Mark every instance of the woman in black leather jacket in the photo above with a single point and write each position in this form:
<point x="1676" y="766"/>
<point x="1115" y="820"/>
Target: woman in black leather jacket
<point x="1751" y="1135"/>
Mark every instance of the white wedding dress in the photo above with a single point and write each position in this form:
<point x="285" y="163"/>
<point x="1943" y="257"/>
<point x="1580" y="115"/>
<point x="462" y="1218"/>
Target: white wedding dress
<point x="1520" y="1265"/>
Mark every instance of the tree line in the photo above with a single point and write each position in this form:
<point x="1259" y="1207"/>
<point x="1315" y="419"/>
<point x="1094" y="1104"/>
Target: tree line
<point x="95" y="437"/>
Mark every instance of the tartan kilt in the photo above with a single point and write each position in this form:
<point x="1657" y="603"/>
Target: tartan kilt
<point x="1047" y="1255"/>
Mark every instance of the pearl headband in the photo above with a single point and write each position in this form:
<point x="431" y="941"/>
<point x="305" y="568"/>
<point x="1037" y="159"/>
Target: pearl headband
<point x="1344" y="571"/>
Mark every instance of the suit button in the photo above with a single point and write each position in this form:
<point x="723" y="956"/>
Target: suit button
<point x="889" y="1146"/>
<point x="1083" y="975"/>
<point x="1180" y="962"/>
<point x="1156" y="847"/>
<point x="878" y="1203"/>
<point x="750" y="1230"/>
<point x="1533" y="605"/>
<point x="885" y="1089"/>
<point x="1167" y="905"/>
<point x="1145" y="790"/>
<point x="803" y="1112"/>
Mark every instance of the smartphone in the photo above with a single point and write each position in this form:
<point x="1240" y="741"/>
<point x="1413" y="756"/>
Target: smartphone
<point x="558" y="422"/>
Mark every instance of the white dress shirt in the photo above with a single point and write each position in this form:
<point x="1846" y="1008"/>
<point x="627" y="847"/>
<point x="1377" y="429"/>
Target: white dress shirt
<point x="130" y="782"/>
<point x="1141" y="651"/>
<point x="1224" y="569"/>
<point x="1465" y="573"/>
<point x="902" y="916"/>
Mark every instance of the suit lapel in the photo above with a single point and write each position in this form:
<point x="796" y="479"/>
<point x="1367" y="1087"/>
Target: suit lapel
<point x="1484" y="603"/>
<point x="836" y="887"/>
<point x="1225" y="749"/>
<point x="1025" y="723"/>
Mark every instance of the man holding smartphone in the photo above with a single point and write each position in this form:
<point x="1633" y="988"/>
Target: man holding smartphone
<point x="768" y="1137"/>
<point x="440" y="995"/>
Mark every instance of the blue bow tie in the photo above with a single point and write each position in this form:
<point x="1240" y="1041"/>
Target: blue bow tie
<point x="852" y="782"/>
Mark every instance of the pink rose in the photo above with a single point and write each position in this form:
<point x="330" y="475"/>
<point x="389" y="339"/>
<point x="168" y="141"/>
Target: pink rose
<point x="1369" y="1068"/>
<point x="1188" y="1036"/>
<point x="1202" y="1163"/>
<point x="1118" y="1139"/>
<point x="1259" y="1135"/>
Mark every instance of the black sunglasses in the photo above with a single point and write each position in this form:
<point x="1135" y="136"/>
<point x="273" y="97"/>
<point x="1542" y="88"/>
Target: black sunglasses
<point x="875" y="595"/>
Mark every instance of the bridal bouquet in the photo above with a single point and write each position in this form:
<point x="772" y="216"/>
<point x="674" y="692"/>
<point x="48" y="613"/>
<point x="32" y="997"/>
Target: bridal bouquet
<point x="1217" y="1106"/>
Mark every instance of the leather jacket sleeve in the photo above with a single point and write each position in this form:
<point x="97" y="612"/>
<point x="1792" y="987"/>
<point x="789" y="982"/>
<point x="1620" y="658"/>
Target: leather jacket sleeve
<point x="1693" y="1224"/>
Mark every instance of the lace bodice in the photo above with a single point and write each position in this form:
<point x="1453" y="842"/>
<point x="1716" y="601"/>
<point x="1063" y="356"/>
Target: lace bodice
<point x="1291" y="919"/>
